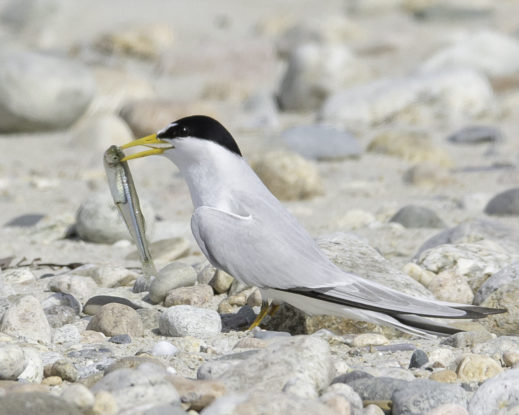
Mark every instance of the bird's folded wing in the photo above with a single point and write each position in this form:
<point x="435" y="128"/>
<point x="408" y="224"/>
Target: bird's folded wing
<point x="282" y="256"/>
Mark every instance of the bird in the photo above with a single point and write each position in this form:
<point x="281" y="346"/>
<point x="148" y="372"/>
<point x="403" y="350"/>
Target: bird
<point x="243" y="229"/>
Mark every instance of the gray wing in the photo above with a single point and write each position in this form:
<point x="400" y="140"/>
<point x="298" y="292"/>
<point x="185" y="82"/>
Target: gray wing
<point x="281" y="255"/>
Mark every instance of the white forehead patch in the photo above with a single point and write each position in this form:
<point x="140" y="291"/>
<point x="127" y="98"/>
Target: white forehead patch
<point x="166" y="128"/>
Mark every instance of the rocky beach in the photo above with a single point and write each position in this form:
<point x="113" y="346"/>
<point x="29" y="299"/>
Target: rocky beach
<point x="387" y="127"/>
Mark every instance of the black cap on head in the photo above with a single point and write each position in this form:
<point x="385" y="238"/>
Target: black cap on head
<point x="203" y="127"/>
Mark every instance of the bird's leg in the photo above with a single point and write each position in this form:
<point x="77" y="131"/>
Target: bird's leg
<point x="273" y="309"/>
<point x="265" y="308"/>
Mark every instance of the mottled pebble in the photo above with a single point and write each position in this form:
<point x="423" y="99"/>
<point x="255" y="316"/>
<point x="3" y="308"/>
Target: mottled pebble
<point x="452" y="287"/>
<point x="17" y="276"/>
<point x="476" y="134"/>
<point x="197" y="394"/>
<point x="412" y="216"/>
<point x="25" y="318"/>
<point x="65" y="369"/>
<point x="186" y="320"/>
<point x="94" y="304"/>
<point x="496" y="393"/>
<point x="369" y="339"/>
<point x="105" y="404"/>
<point x="467" y="338"/>
<point x="372" y="410"/>
<point x="448" y="409"/>
<point x="79" y="395"/>
<point x="120" y="339"/>
<point x="36" y="403"/>
<point x="172" y="276"/>
<point x="59" y="315"/>
<point x="113" y="319"/>
<point x="52" y="381"/>
<point x="196" y="295"/>
<point x="12" y="362"/>
<point x="78" y="286"/>
<point x="445" y="375"/>
<point x="477" y="368"/>
<point x="221" y="282"/>
<point x="66" y="334"/>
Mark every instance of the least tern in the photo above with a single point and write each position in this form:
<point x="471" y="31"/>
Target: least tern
<point x="244" y="230"/>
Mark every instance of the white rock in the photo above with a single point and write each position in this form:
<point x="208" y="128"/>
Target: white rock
<point x="98" y="219"/>
<point x="448" y="286"/>
<point x="41" y="92"/>
<point x="79" y="395"/>
<point x="174" y="275"/>
<point x="12" y="361"/>
<point x="314" y="72"/>
<point x="25" y="318"/>
<point x="79" y="286"/>
<point x="185" y="320"/>
<point x="17" y="276"/>
<point x="369" y="339"/>
<point x="66" y="334"/>
<point x="33" y="371"/>
<point x="499" y="392"/>
<point x="489" y="52"/>
<point x="164" y="348"/>
<point x="447" y="95"/>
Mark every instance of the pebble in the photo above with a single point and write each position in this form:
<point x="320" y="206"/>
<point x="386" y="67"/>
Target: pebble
<point x="12" y="361"/>
<point x="445" y="375"/>
<point x="197" y="394"/>
<point x="79" y="395"/>
<point x="120" y="339"/>
<point x="412" y="216"/>
<point x="196" y="295"/>
<point x="105" y="404"/>
<point x="113" y="319"/>
<point x="497" y="280"/>
<point x="503" y="298"/>
<point x="321" y="142"/>
<point x="60" y="91"/>
<point x="422" y="395"/>
<point x="342" y="398"/>
<point x="505" y="203"/>
<point x="65" y="369"/>
<point x="147" y="384"/>
<point x="17" y="276"/>
<point x="477" y="368"/>
<point x="52" y="381"/>
<point x="288" y="175"/>
<point x="80" y="287"/>
<point x="94" y="304"/>
<point x="186" y="320"/>
<point x="36" y="403"/>
<point x="254" y="299"/>
<point x="98" y="220"/>
<point x="174" y="275"/>
<point x="221" y="281"/>
<point x="427" y="175"/>
<point x="467" y="338"/>
<point x="62" y="299"/>
<point x="372" y="410"/>
<point x="372" y="388"/>
<point x="25" y="318"/>
<point x="442" y="356"/>
<point x="499" y="392"/>
<point x="476" y="134"/>
<point x="501" y="58"/>
<point x="511" y="358"/>
<point x="164" y="348"/>
<point x="451" y="287"/>
<point x="33" y="371"/>
<point x="314" y="72"/>
<point x="369" y="339"/>
<point x="448" y="409"/>
<point x="59" y="315"/>
<point x="418" y="359"/>
<point x="412" y="146"/>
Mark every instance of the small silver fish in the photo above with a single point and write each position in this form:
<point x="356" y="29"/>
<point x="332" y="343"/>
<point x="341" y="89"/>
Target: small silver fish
<point x="125" y="198"/>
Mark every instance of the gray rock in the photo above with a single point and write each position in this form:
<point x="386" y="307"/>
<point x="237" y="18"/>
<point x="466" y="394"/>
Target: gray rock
<point x="33" y="371"/>
<point x="94" y="304"/>
<point x="79" y="395"/>
<point x="120" y="339"/>
<point x="90" y="359"/>
<point x="65" y="369"/>
<point x="306" y="359"/>
<point x="499" y="392"/>
<point x="98" y="219"/>
<point x="59" y="315"/>
<point x="78" y="286"/>
<point x="497" y="347"/>
<point x="321" y="142"/>
<point x="186" y="320"/>
<point x="504" y="204"/>
<point x="25" y="221"/>
<point x="36" y="403"/>
<point x="62" y="299"/>
<point x="501" y="57"/>
<point x="449" y="95"/>
<point x="113" y="319"/>
<point x="333" y="393"/>
<point x="476" y="135"/>
<point x="474" y="231"/>
<point x="467" y="338"/>
<point x="412" y="216"/>
<point x="25" y="318"/>
<point x="131" y="387"/>
<point x="196" y="295"/>
<point x="12" y="362"/>
<point x="496" y="281"/>
<point x="314" y="72"/>
<point x="372" y="388"/>
<point x="505" y="297"/>
<point x="288" y="175"/>
<point x="41" y="92"/>
<point x="418" y="359"/>
<point x="422" y="395"/>
<point x="66" y="334"/>
<point x="174" y="275"/>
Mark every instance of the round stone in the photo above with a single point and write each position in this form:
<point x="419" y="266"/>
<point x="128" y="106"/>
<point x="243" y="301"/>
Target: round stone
<point x="113" y="319"/>
<point x="185" y="320"/>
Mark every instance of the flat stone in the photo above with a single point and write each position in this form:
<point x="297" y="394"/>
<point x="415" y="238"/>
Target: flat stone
<point x="369" y="339"/>
<point x="94" y="304"/>
<point x="504" y="204"/>
<point x="78" y="286"/>
<point x="448" y="409"/>
<point x="422" y="395"/>
<point x="172" y="276"/>
<point x="445" y="375"/>
<point x="221" y="282"/>
<point x="36" y="403"/>
<point x="412" y="216"/>
<point x="186" y="320"/>
<point x="497" y="393"/>
<point x="114" y="319"/>
<point x="476" y="134"/>
<point x="321" y="142"/>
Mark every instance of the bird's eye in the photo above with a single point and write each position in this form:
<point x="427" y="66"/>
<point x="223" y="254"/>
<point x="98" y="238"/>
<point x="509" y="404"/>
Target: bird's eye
<point x="184" y="130"/>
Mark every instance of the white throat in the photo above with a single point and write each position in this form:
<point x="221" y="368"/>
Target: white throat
<point x="212" y="172"/>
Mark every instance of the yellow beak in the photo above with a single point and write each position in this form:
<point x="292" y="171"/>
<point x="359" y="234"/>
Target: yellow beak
<point x="156" y="145"/>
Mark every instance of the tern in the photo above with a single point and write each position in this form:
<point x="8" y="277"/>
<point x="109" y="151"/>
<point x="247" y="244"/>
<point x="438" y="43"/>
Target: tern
<point x="243" y="229"/>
